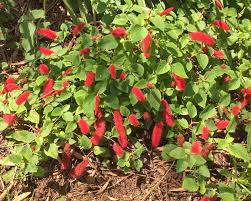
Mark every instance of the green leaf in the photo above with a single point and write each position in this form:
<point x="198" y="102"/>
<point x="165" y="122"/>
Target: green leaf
<point x="71" y="126"/>
<point x="248" y="130"/>
<point x="33" y="117"/>
<point x="112" y="102"/>
<point x="56" y="112"/>
<point x="154" y="99"/>
<point x="202" y="60"/>
<point x="203" y="170"/>
<point x="233" y="84"/>
<point x="208" y="112"/>
<point x="68" y="116"/>
<point x="190" y="184"/>
<point x="158" y="21"/>
<point x="179" y="70"/>
<point x="23" y="136"/>
<point x="85" y="142"/>
<point x="183" y="123"/>
<point x="227" y="196"/>
<point x="181" y="165"/>
<point x="108" y="43"/>
<point x="178" y="153"/>
<point x="239" y="151"/>
<point x="88" y="105"/>
<point x="120" y="19"/>
<point x="102" y="151"/>
<point x="38" y="13"/>
<point x="3" y="125"/>
<point x="166" y="150"/>
<point x="192" y="111"/>
<point x="46" y="129"/>
<point x="52" y="151"/>
<point x="137" y="33"/>
<point x="138" y="164"/>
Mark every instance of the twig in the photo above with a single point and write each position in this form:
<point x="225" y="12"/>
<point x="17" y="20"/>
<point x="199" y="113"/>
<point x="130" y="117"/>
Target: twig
<point x="18" y="63"/>
<point x="157" y="184"/>
<point x="126" y="177"/>
<point x="5" y="192"/>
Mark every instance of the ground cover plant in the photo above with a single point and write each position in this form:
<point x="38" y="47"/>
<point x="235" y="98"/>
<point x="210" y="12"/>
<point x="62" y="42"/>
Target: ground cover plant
<point x="121" y="80"/>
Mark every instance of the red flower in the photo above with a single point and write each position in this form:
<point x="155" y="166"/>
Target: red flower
<point x="89" y="79"/>
<point x="97" y="103"/>
<point x="10" y="80"/>
<point x="218" y="54"/>
<point x="236" y="110"/>
<point x="180" y="140"/>
<point x="2" y="6"/>
<point x="48" y="33"/>
<point x="118" y="121"/>
<point x="67" y="71"/>
<point x="122" y="76"/>
<point x="5" y="101"/>
<point x="167" y="113"/>
<point x="157" y="133"/>
<point x="206" y="198"/>
<point x="179" y="82"/>
<point x="66" y="158"/>
<point x="206" y="150"/>
<point x="79" y="169"/>
<point x="85" y="51"/>
<point x="65" y="84"/>
<point x="147" y="116"/>
<point x="118" y="149"/>
<point x="138" y="94"/>
<point x="9" y="118"/>
<point x="202" y="37"/>
<point x="48" y="88"/>
<point x="150" y="85"/>
<point x="77" y="28"/>
<point x="246" y="91"/>
<point x="22" y="98"/>
<point x="245" y="100"/>
<point x="100" y="127"/>
<point x="146" y="45"/>
<point x="223" y="67"/>
<point x="11" y="87"/>
<point x="222" y="124"/>
<point x="225" y="110"/>
<point x="227" y="78"/>
<point x="112" y="71"/>
<point x="221" y="24"/>
<point x="45" y="51"/>
<point x="84" y="127"/>
<point x="43" y="69"/>
<point x="167" y="11"/>
<point x="119" y="32"/>
<point x="23" y="81"/>
<point x="205" y="133"/>
<point x="218" y="4"/>
<point x="133" y="120"/>
<point x="196" y="148"/>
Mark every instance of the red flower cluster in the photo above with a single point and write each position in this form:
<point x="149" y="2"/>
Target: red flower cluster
<point x="22" y="98"/>
<point x="180" y="140"/>
<point x="157" y="133"/>
<point x="146" y="45"/>
<point x="118" y="149"/>
<point x="202" y="37"/>
<point x="218" y="54"/>
<point x="138" y="94"/>
<point x="48" y="33"/>
<point x="66" y="158"/>
<point x="10" y="85"/>
<point x="196" y="148"/>
<point x="221" y="24"/>
<point x="218" y="4"/>
<point x="112" y="71"/>
<point x="100" y="127"/>
<point x="122" y="76"/>
<point x="43" y="69"/>
<point x="118" y="121"/>
<point x="147" y="116"/>
<point x="85" y="51"/>
<point x="48" y="88"/>
<point x="167" y="113"/>
<point x="96" y="106"/>
<point x="222" y="124"/>
<point x="83" y="126"/>
<point x="79" y="169"/>
<point x="179" y="82"/>
<point x="149" y="85"/>
<point x="206" y="198"/>
<point x="45" y="51"/>
<point x="89" y="79"/>
<point x="119" y="32"/>
<point x="77" y="28"/>
<point x="205" y="133"/>
<point x="167" y="11"/>
<point x="133" y="120"/>
<point x="9" y="118"/>
<point x="236" y="110"/>
<point x="67" y="71"/>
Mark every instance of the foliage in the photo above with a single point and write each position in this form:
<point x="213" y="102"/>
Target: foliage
<point x="206" y="91"/>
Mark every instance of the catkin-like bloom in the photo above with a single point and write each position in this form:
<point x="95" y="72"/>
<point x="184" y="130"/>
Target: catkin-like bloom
<point x="202" y="37"/>
<point x="48" y="33"/>
<point x="100" y="127"/>
<point x="147" y="116"/>
<point x="118" y="121"/>
<point x="222" y="124"/>
<point x="43" y="69"/>
<point x="146" y="45"/>
<point x="122" y="76"/>
<point x="67" y="71"/>
<point x="180" y="140"/>
<point x="23" y="97"/>
<point x="246" y="91"/>
<point x="79" y="170"/>
<point x="96" y="105"/>
<point x="236" y="110"/>
<point x="83" y="126"/>
<point x="196" y="148"/>
<point x="218" y="54"/>
<point x="138" y="94"/>
<point x="10" y="80"/>
<point x="206" y="150"/>
<point x="77" y="28"/>
<point x="227" y="78"/>
<point x="11" y="87"/>
<point x="157" y="133"/>
<point x="118" y="149"/>
<point x="89" y="79"/>
<point x="179" y="82"/>
<point x="205" y="133"/>
<point x="245" y="101"/>
<point x="112" y="70"/>
<point x="65" y="84"/>
<point x="149" y="85"/>
<point x="45" y="51"/>
<point x="66" y="158"/>
<point x="48" y="88"/>
<point x="167" y="113"/>
<point x="221" y="24"/>
<point x="167" y="11"/>
<point x="218" y="4"/>
<point x="9" y="118"/>
<point x="85" y="51"/>
<point x="133" y="120"/>
<point x="119" y="32"/>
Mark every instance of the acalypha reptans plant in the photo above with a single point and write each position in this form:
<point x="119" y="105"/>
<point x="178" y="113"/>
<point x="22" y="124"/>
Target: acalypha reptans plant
<point x="178" y="71"/>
